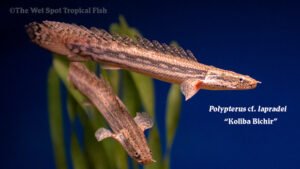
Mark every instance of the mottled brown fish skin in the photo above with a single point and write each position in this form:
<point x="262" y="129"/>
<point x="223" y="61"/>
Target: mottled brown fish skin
<point x="160" y="61"/>
<point x="83" y="44"/>
<point x="100" y="93"/>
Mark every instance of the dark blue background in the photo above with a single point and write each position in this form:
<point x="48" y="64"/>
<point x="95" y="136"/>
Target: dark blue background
<point x="257" y="38"/>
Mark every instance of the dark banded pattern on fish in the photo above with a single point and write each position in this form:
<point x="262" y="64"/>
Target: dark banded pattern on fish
<point x="125" y="129"/>
<point x="158" y="60"/>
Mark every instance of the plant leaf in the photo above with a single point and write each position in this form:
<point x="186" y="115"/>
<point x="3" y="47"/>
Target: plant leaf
<point x="61" y="66"/>
<point x="71" y="108"/>
<point x="122" y="28"/>
<point x="172" y="113"/>
<point x="56" y="120"/>
<point x="172" y="119"/>
<point x="78" y="159"/>
<point x="92" y="66"/>
<point x="113" y="77"/>
<point x="145" y="88"/>
<point x="97" y="153"/>
<point x="131" y="96"/>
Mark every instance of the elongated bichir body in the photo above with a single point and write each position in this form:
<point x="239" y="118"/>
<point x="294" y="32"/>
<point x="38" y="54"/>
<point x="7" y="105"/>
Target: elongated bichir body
<point x="125" y="129"/>
<point x="167" y="63"/>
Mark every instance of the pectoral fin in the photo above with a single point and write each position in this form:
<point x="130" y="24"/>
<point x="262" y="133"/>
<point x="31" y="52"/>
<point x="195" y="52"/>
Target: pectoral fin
<point x="103" y="133"/>
<point x="190" y="87"/>
<point x="143" y="120"/>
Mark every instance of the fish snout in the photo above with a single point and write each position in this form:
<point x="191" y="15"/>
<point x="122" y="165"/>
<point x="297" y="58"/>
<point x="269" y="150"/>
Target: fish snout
<point x="251" y="82"/>
<point x="148" y="161"/>
<point x="254" y="83"/>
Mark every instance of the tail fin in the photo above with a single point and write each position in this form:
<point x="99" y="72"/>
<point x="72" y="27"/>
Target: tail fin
<point x="35" y="31"/>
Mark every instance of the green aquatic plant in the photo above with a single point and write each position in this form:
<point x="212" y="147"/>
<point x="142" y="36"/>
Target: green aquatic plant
<point x="137" y="92"/>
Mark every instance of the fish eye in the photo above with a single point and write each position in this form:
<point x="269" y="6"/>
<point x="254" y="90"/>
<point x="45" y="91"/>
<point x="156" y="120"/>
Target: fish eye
<point x="137" y="155"/>
<point x="241" y="79"/>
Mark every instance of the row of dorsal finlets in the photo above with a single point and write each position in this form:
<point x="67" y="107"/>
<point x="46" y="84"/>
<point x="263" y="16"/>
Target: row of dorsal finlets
<point x="140" y="42"/>
<point x="124" y="40"/>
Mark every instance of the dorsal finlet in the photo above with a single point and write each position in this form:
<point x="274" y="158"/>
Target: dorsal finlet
<point x="140" y="41"/>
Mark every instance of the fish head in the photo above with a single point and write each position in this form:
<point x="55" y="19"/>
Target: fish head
<point x="137" y="148"/>
<point x="140" y="153"/>
<point x="218" y="79"/>
<point x="143" y="157"/>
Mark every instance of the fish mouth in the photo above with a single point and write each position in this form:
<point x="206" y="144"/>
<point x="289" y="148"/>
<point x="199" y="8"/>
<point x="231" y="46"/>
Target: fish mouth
<point x="148" y="161"/>
<point x="256" y="82"/>
<point x="252" y="83"/>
